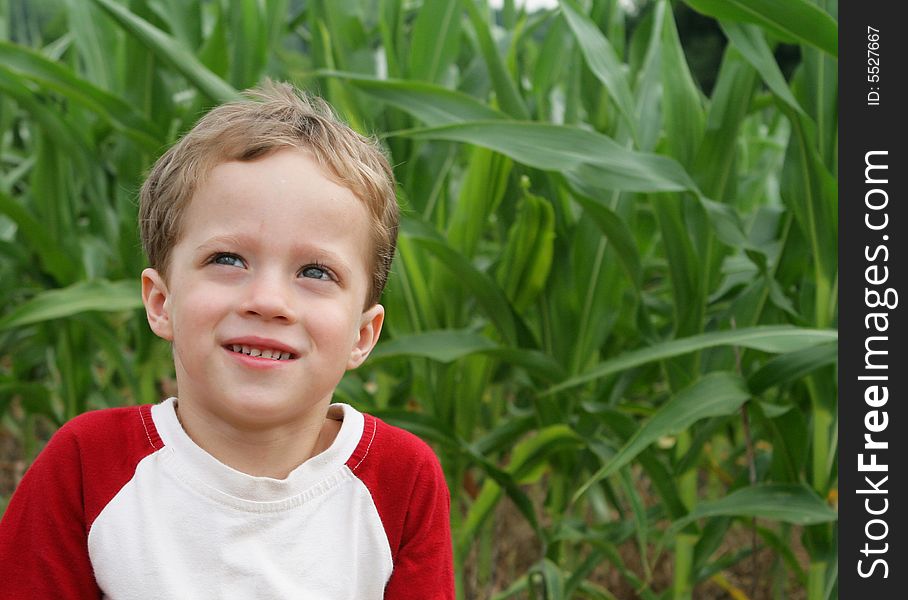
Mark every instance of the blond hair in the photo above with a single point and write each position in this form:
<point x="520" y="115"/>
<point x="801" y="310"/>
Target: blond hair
<point x="271" y="117"/>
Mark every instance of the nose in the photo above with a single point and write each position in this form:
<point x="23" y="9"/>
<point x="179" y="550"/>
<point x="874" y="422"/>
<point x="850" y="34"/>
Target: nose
<point x="269" y="296"/>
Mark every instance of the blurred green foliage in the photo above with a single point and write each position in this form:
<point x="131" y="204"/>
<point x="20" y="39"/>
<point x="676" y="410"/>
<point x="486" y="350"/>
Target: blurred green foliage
<point x="614" y="302"/>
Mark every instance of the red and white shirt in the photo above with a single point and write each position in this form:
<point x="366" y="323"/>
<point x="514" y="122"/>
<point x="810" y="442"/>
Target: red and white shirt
<point x="122" y="504"/>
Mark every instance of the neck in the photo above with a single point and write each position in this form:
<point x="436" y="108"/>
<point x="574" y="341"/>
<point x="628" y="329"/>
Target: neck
<point x="261" y="452"/>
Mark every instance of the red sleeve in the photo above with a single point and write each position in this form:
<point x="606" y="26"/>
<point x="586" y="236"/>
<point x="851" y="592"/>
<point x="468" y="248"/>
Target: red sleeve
<point x="44" y="531"/>
<point x="410" y="493"/>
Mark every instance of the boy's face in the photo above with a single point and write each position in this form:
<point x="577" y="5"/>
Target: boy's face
<point x="273" y="260"/>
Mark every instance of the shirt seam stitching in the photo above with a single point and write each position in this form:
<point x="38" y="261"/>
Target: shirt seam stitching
<point x="369" y="445"/>
<point x="145" y="427"/>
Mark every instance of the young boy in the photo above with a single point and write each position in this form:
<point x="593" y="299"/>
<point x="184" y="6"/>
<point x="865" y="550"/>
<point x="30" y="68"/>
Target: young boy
<point x="270" y="229"/>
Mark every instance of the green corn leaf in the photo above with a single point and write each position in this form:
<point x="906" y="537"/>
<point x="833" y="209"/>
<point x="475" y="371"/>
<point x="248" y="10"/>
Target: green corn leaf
<point x="54" y="76"/>
<point x="430" y="428"/>
<point x="505" y="87"/>
<point x="483" y="187"/>
<point x="170" y="51"/>
<point x="685" y="265"/>
<point x="812" y="193"/>
<point x="641" y="522"/>
<point x="591" y="157"/>
<point x="552" y="579"/>
<point x="714" y="395"/>
<point x="584" y="299"/>
<point x="767" y="338"/>
<point x="713" y="533"/>
<point x="91" y="38"/>
<point x="527" y="253"/>
<point x="489" y="295"/>
<point x="275" y="14"/>
<point x="786" y="502"/>
<point x="554" y="53"/>
<point x="648" y="95"/>
<point x="97" y="295"/>
<point x="349" y="47"/>
<point x="536" y="449"/>
<point x="798" y="21"/>
<point x="631" y="172"/>
<point x="432" y="104"/>
<point x="514" y="492"/>
<point x="601" y="59"/>
<point x="183" y="19"/>
<point x="536" y="363"/>
<point x="527" y="456"/>
<point x="792" y="366"/>
<point x="625" y="427"/>
<point x="390" y="24"/>
<point x="435" y="40"/>
<point x="67" y="137"/>
<point x="410" y="282"/>
<point x="249" y="48"/>
<point x="423" y="425"/>
<point x="482" y="506"/>
<point x="215" y="52"/>
<point x="751" y="43"/>
<point x="52" y="198"/>
<point x="54" y="257"/>
<point x="518" y="586"/>
<point x="504" y="434"/>
<point x="727" y="226"/>
<point x="714" y="163"/>
<point x="142" y="82"/>
<point x="446" y="345"/>
<point x="342" y="97"/>
<point x="784" y="548"/>
<point x="818" y="93"/>
<point x="617" y="233"/>
<point x="449" y="345"/>
<point x="581" y="580"/>
<point x="683" y="116"/>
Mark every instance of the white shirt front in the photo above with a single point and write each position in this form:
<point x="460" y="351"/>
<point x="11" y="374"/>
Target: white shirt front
<point x="219" y="533"/>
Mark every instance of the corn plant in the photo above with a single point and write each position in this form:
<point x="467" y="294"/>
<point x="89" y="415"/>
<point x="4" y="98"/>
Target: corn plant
<point x="613" y="307"/>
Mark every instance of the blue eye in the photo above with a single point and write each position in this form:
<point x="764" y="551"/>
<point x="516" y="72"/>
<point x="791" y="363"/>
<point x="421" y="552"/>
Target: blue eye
<point x="315" y="272"/>
<point x="228" y="259"/>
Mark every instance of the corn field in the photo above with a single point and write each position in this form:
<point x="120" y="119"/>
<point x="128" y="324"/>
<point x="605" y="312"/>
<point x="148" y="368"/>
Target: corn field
<point x="613" y="308"/>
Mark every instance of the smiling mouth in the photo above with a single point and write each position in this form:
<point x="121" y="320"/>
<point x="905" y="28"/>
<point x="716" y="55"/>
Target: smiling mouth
<point x="261" y="352"/>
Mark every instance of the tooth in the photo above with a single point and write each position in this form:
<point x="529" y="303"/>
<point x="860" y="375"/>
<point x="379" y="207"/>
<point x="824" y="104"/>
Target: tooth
<point x="285" y="356"/>
<point x="245" y="349"/>
<point x="266" y="353"/>
<point x="235" y="348"/>
<point x="255" y="352"/>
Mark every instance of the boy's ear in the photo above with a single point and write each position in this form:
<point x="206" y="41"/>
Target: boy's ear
<point x="154" y="297"/>
<point x="369" y="330"/>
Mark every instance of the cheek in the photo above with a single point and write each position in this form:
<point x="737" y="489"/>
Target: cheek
<point x="334" y="328"/>
<point x="196" y="309"/>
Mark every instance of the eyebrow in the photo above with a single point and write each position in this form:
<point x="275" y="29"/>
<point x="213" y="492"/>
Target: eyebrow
<point x="221" y="240"/>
